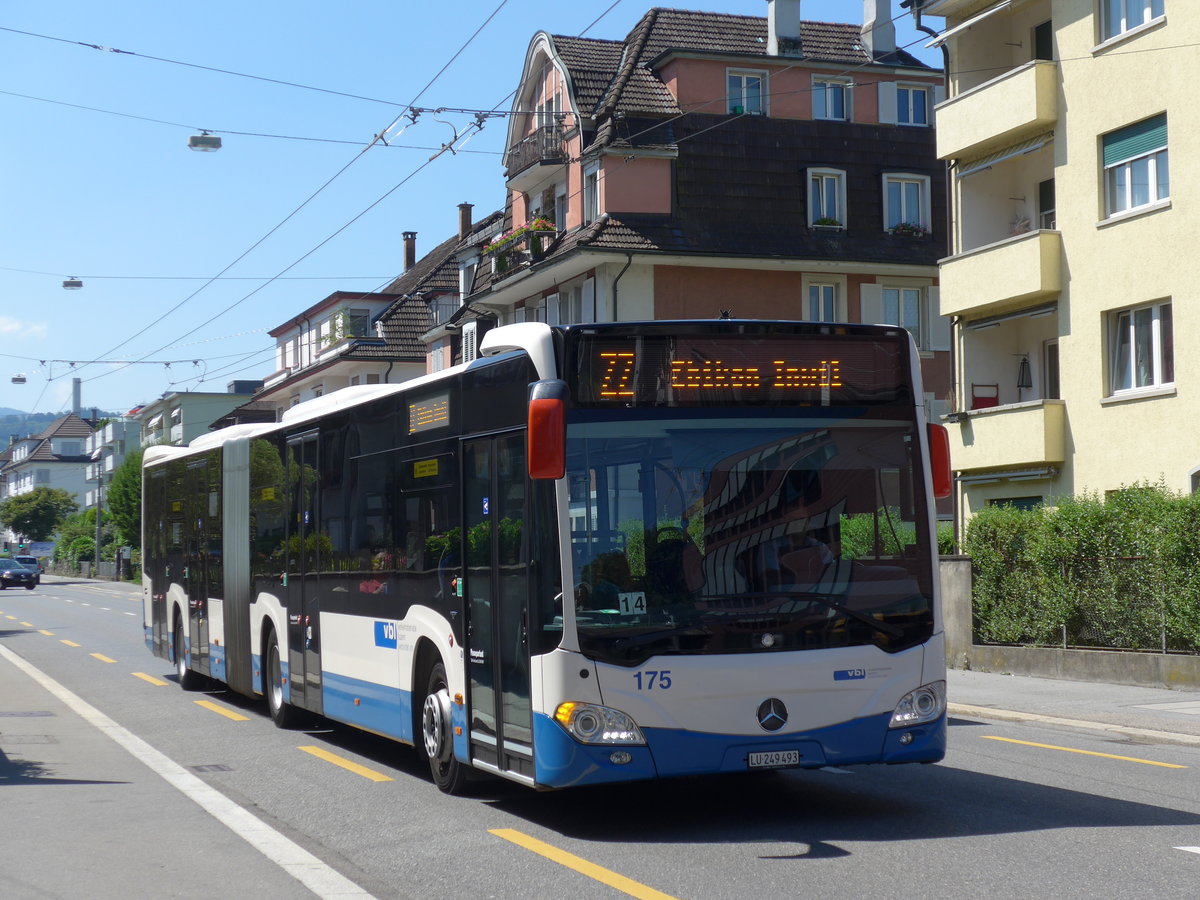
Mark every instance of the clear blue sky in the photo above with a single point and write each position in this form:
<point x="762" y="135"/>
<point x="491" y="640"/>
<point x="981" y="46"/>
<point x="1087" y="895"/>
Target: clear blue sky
<point x="123" y="204"/>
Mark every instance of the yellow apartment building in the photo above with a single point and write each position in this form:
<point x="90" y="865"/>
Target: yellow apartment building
<point x="1070" y="134"/>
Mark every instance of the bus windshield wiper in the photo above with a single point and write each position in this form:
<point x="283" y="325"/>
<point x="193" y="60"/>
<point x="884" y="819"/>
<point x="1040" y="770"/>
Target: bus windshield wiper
<point x="824" y="599"/>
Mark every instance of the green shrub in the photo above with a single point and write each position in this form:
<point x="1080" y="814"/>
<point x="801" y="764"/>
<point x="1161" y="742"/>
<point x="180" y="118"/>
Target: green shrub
<point x="1115" y="572"/>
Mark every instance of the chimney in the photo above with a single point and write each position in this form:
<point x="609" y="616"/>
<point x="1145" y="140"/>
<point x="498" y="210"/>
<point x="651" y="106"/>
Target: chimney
<point x="464" y="219"/>
<point x="783" y="27"/>
<point x="76" y="392"/>
<point x="410" y="249"/>
<point x="878" y="32"/>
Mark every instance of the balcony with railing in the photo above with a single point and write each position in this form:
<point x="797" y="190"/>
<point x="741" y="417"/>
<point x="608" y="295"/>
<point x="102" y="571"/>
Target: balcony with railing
<point x="520" y="248"/>
<point x="545" y="146"/>
<point x="1017" y="105"/>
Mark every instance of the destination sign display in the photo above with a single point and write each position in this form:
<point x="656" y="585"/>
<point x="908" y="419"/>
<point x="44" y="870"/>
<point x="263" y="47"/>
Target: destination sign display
<point x="659" y="370"/>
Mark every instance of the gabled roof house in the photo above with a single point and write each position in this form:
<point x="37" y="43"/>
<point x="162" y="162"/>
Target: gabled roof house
<point x="769" y="166"/>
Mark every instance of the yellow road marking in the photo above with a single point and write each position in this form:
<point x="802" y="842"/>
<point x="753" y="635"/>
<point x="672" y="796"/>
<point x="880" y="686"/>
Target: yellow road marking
<point x="45" y="632"/>
<point x="571" y="861"/>
<point x="103" y="658"/>
<point x="69" y="643"/>
<point x="1147" y="762"/>
<point x="227" y="713"/>
<point x="27" y="624"/>
<point x="345" y="764"/>
<point x="13" y="618"/>
<point x="149" y="678"/>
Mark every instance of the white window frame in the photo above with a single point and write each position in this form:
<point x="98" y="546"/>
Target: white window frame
<point x="906" y="108"/>
<point x="826" y="287"/>
<point x="906" y="306"/>
<point x="821" y="86"/>
<point x="837" y="178"/>
<point x="1151" y="168"/>
<point x="591" y="192"/>
<point x="740" y="104"/>
<point x="1118" y="17"/>
<point x="1152" y="323"/>
<point x="906" y="214"/>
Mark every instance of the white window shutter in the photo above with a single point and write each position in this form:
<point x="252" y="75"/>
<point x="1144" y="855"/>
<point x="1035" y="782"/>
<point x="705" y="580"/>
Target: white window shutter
<point x="887" y="102"/>
<point x="469" y="342"/>
<point x="588" y="313"/>
<point x="870" y="301"/>
<point x="939" y="325"/>
<point x="552" y="310"/>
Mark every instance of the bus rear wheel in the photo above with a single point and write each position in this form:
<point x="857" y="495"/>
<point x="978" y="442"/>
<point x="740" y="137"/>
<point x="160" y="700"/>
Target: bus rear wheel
<point x="448" y="773"/>
<point x="188" y="679"/>
<point x="283" y="714"/>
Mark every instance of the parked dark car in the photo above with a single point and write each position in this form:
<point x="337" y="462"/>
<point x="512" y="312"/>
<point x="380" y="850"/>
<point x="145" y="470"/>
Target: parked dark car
<point x="32" y="562"/>
<point x="13" y="574"/>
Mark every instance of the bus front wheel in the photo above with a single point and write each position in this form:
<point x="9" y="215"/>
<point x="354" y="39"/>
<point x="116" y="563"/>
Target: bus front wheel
<point x="448" y="773"/>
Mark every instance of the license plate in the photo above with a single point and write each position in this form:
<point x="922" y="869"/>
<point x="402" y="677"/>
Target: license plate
<point x="774" y="759"/>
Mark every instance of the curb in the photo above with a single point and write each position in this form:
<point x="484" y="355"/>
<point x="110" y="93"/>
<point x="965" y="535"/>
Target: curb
<point x="1009" y="715"/>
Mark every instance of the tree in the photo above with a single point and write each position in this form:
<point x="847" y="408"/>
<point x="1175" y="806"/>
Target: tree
<point x="125" y="500"/>
<point x="38" y="514"/>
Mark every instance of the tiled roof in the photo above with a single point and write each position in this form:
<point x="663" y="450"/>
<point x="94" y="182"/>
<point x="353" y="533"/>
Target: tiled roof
<point x="625" y="67"/>
<point x="437" y="271"/>
<point x="68" y="426"/>
<point x="592" y="64"/>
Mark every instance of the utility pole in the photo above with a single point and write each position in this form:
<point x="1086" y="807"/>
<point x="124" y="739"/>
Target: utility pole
<point x="99" y="507"/>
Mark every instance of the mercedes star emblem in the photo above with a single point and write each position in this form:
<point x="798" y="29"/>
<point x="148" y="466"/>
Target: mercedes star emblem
<point x="772" y="714"/>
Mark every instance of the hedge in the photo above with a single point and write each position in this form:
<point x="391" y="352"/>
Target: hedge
<point x="1117" y="572"/>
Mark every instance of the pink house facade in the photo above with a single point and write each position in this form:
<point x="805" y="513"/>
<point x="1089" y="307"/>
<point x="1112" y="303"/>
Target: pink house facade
<point x="769" y="166"/>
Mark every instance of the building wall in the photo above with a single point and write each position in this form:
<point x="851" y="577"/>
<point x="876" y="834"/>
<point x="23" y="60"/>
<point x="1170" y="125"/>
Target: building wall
<point x="1116" y="265"/>
<point x="642" y="185"/>
<point x="700" y="86"/>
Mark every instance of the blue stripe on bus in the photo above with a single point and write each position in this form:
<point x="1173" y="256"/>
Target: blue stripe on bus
<point x="216" y="661"/>
<point x="563" y="762"/>
<point x="365" y="704"/>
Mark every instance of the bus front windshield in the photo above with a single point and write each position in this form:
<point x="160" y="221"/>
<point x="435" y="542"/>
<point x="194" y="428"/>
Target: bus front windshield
<point x="703" y="533"/>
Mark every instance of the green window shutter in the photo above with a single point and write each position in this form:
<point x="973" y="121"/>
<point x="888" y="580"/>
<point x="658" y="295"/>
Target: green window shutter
<point x="1135" y="140"/>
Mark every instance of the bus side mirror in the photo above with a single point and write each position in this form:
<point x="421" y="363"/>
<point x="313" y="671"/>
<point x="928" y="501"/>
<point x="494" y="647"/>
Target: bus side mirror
<point x="939" y="461"/>
<point x="547" y="432"/>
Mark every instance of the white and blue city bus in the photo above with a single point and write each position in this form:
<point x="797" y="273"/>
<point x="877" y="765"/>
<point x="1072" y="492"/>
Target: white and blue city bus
<point x="596" y="553"/>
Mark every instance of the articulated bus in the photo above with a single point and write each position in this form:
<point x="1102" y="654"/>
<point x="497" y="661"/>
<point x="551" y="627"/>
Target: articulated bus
<point x="595" y="553"/>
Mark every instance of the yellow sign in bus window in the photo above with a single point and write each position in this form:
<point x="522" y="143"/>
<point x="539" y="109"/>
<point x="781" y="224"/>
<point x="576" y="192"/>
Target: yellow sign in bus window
<point x="424" y="468"/>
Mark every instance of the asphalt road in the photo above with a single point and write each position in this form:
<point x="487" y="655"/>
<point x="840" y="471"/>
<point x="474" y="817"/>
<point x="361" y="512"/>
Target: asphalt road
<point x="89" y="810"/>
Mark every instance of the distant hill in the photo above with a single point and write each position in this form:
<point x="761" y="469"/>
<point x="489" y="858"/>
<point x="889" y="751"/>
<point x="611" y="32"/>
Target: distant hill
<point x="22" y="424"/>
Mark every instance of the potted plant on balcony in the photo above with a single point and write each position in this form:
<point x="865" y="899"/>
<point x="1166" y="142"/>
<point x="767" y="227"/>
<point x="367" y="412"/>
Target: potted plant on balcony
<point x="541" y="233"/>
<point x="827" y="223"/>
<point x="909" y="229"/>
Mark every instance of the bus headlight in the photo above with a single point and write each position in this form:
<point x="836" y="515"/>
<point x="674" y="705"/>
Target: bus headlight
<point x="589" y="723"/>
<point x="925" y="704"/>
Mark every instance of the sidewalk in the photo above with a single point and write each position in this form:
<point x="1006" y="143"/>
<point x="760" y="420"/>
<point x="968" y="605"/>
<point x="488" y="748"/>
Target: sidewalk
<point x="1123" y="709"/>
<point x="82" y="816"/>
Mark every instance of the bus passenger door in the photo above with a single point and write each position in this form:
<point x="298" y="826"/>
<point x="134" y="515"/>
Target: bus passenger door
<point x="497" y="593"/>
<point x="302" y="565"/>
<point x="195" y="581"/>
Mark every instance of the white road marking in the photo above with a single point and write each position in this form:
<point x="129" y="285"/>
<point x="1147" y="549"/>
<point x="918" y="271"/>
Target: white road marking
<point x="1189" y="849"/>
<point x="1188" y="707"/>
<point x="285" y="853"/>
